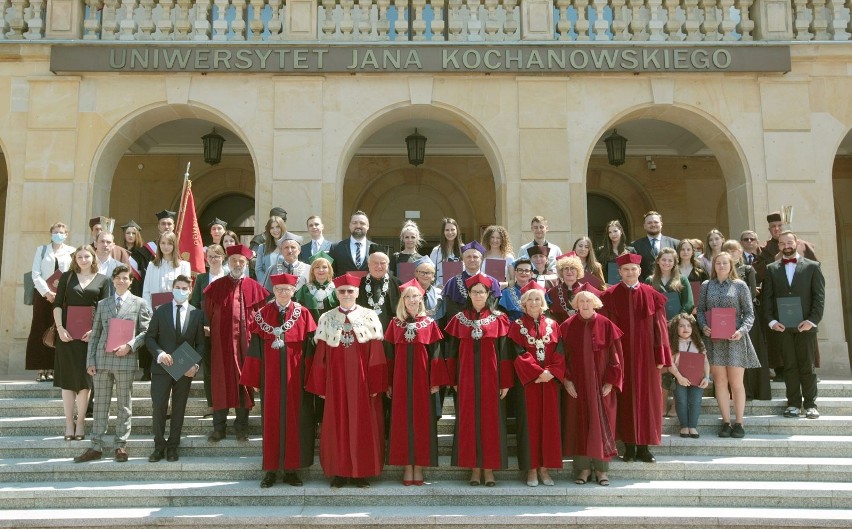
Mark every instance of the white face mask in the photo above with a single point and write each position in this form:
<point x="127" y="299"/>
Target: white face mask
<point x="57" y="238"/>
<point x="180" y="295"/>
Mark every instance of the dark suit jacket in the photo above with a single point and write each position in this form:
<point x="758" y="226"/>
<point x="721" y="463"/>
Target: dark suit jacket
<point x="306" y="254"/>
<point x="161" y="336"/>
<point x="643" y="247"/>
<point x="343" y="257"/>
<point x="808" y="284"/>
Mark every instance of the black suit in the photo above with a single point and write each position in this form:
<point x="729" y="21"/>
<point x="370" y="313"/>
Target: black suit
<point x="642" y="246"/>
<point x="161" y="337"/>
<point x="342" y="255"/>
<point x="798" y="348"/>
<point x="305" y="253"/>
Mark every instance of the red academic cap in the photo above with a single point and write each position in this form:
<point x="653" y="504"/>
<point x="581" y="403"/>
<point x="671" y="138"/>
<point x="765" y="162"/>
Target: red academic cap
<point x="478" y="278"/>
<point x="347" y="280"/>
<point x="412" y="283"/>
<point x="629" y="258"/>
<point x="238" y="249"/>
<point x="532" y="285"/>
<point x="283" y="279"/>
<point x="538" y="249"/>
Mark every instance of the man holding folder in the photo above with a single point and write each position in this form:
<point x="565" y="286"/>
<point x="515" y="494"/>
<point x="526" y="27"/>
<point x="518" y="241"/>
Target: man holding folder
<point x="793" y="302"/>
<point x="118" y="330"/>
<point x="176" y="341"/>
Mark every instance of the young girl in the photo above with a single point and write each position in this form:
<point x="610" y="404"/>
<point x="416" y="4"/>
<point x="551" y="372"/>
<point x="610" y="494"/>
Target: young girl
<point x="685" y="337"/>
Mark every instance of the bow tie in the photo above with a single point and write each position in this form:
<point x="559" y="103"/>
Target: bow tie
<point x="789" y="261"/>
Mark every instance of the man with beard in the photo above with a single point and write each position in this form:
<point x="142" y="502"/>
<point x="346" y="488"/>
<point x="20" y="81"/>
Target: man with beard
<point x="800" y="279"/>
<point x="229" y="304"/>
<point x="351" y="253"/>
<point x="654" y="241"/>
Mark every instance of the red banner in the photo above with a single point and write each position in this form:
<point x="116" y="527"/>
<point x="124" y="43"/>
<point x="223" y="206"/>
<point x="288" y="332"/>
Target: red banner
<point x="189" y="236"/>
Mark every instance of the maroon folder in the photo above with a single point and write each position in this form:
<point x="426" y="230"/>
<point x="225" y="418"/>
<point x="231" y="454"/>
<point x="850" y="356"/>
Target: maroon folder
<point x="79" y="320"/>
<point x="696" y="291"/>
<point x="450" y="269"/>
<point x="160" y="298"/>
<point x="691" y="365"/>
<point x="405" y="271"/>
<point x="119" y="332"/>
<point x="53" y="281"/>
<point x="496" y="268"/>
<point x="723" y="323"/>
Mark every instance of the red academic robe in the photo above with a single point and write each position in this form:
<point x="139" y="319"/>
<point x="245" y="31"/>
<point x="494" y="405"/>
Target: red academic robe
<point x="289" y="427"/>
<point x="537" y="405"/>
<point x="641" y="314"/>
<point x="480" y="368"/>
<point x="416" y="367"/>
<point x="351" y="378"/>
<point x="230" y="306"/>
<point x="593" y="358"/>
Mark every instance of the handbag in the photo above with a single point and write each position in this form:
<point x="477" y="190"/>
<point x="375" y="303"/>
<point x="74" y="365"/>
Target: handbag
<point x="29" y="284"/>
<point x="49" y="336"/>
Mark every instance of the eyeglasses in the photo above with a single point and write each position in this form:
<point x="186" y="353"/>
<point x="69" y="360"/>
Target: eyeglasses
<point x="748" y="239"/>
<point x="478" y="292"/>
<point x="523" y="270"/>
<point x="425" y="273"/>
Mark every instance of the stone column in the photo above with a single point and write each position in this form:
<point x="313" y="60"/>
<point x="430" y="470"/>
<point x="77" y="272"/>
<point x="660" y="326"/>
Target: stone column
<point x="64" y="19"/>
<point x="773" y="19"/>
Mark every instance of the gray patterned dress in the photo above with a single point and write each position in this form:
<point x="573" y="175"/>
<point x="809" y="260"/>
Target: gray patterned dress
<point x="729" y="293"/>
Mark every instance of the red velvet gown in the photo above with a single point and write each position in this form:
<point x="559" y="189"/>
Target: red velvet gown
<point x="560" y="306"/>
<point x="416" y="366"/>
<point x="593" y="357"/>
<point x="229" y="306"/>
<point x="289" y="427"/>
<point x="480" y="368"/>
<point x="351" y="377"/>
<point x="537" y="405"/>
<point x="641" y="314"/>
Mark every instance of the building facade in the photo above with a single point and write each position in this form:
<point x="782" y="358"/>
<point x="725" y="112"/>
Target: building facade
<point x="731" y="108"/>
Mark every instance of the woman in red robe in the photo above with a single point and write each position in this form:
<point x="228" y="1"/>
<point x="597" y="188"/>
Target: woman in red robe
<point x="593" y="370"/>
<point x="569" y="270"/>
<point x="418" y="370"/>
<point x="480" y="368"/>
<point x="277" y="363"/>
<point x="350" y="371"/>
<point x="540" y="367"/>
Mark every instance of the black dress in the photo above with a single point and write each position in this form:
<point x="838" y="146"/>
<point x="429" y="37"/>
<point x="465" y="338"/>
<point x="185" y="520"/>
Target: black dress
<point x="70" y="363"/>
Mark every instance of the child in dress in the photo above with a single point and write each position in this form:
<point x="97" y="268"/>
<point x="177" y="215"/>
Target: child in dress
<point x="686" y="338"/>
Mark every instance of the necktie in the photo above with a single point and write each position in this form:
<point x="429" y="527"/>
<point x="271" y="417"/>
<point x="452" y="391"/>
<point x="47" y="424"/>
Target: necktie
<point x="749" y="258"/>
<point x="178" y="326"/>
<point x="117" y="304"/>
<point x="358" y="254"/>
<point x="290" y="269"/>
<point x="654" y="249"/>
<point x="789" y="261"/>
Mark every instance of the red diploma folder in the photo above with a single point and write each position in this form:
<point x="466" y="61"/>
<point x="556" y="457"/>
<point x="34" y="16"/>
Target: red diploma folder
<point x="723" y="323"/>
<point x="79" y="320"/>
<point x="405" y="271"/>
<point x="120" y="332"/>
<point x="691" y="365"/>
<point x="696" y="291"/>
<point x="161" y="298"/>
<point x="53" y="281"/>
<point x="450" y="269"/>
<point x="496" y="268"/>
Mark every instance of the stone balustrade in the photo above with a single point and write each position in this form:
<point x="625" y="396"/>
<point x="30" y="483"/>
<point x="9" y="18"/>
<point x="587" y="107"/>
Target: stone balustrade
<point x="427" y="20"/>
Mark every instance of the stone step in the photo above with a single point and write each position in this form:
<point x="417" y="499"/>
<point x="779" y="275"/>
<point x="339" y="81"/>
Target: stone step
<point x="422" y="517"/>
<point x="217" y="494"/>
<point x="672" y="445"/>
<point x="247" y="468"/>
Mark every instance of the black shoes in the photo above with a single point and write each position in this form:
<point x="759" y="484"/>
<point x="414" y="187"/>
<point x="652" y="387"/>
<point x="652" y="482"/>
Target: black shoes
<point x="361" y="483"/>
<point x="737" y="431"/>
<point x="242" y="436"/>
<point x="216" y="436"/>
<point x="172" y="455"/>
<point x="268" y="480"/>
<point x="726" y="430"/>
<point x="629" y="453"/>
<point x="290" y="478"/>
<point x="644" y="455"/>
<point x="155" y="456"/>
<point x="338" y="482"/>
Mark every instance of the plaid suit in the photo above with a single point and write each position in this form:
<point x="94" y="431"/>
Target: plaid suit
<point x="112" y="369"/>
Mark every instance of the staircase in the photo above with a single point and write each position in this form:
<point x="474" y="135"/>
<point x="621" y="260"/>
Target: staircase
<point x="785" y="473"/>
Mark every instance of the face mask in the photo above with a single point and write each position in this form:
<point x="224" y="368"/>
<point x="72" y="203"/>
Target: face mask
<point x="180" y="295"/>
<point x="57" y="238"/>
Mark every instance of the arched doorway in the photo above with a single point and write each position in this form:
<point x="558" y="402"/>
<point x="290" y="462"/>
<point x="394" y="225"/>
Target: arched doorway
<point x="148" y="175"/>
<point x="842" y="188"/>
<point x="456" y="180"/>
<point x="679" y="164"/>
<point x="601" y="210"/>
<point x="235" y="209"/>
